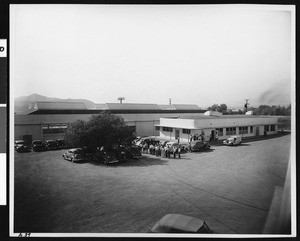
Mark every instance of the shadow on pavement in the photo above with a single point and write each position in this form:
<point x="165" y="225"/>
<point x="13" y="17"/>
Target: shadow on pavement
<point x="204" y="151"/>
<point x="142" y="162"/>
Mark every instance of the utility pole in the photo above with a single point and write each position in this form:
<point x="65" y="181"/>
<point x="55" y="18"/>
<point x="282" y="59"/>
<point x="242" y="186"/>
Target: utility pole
<point x="246" y="104"/>
<point x="121" y="99"/>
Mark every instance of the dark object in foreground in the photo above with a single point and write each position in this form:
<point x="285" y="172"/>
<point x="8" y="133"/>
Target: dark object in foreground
<point x="178" y="223"/>
<point x="105" y="157"/>
<point x="51" y="145"/>
<point x="38" y="145"/>
<point x="23" y="148"/>
<point x="199" y="146"/>
<point x="61" y="143"/>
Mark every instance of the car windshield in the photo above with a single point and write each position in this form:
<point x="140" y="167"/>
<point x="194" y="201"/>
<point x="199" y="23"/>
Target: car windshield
<point x="77" y="151"/>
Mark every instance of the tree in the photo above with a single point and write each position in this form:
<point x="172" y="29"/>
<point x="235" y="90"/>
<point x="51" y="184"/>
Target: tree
<point x="75" y="132"/>
<point x="214" y="107"/>
<point x="222" y="108"/>
<point x="105" y="129"/>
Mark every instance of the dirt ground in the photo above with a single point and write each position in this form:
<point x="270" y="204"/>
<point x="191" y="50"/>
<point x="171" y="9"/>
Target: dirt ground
<point x="231" y="188"/>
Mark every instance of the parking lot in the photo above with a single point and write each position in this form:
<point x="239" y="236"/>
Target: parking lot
<point x="231" y="188"/>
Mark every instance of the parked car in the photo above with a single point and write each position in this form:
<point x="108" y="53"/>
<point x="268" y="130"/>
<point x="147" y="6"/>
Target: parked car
<point x="51" y="145"/>
<point x="133" y="152"/>
<point x="105" y="157"/>
<point x="178" y="223"/>
<point x="74" y="155"/>
<point x="120" y="153"/>
<point x="233" y="141"/>
<point x="38" y="145"/>
<point x="20" y="146"/>
<point x="18" y="143"/>
<point x="199" y="146"/>
<point x="61" y="144"/>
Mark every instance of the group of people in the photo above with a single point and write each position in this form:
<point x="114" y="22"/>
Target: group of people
<point x="196" y="137"/>
<point x="158" y="149"/>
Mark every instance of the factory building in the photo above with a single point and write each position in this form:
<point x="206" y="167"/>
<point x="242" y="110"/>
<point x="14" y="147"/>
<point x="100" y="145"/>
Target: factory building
<point x="49" y="120"/>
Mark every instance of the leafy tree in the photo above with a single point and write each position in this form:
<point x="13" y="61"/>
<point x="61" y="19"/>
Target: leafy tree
<point x="222" y="108"/>
<point x="272" y="110"/>
<point x="75" y="132"/>
<point x="105" y="129"/>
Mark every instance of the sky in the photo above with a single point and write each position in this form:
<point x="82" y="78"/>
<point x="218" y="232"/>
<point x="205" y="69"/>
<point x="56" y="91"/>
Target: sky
<point x="193" y="54"/>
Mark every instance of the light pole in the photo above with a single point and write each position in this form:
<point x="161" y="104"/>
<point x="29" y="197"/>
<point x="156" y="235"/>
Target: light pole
<point x="246" y="105"/>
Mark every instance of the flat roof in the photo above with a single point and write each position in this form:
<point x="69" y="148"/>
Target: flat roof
<point x="202" y="116"/>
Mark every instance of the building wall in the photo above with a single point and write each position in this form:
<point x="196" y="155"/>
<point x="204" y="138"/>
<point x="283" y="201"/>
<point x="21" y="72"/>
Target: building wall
<point x="145" y="124"/>
<point x="34" y="130"/>
<point x="206" y="126"/>
<point x="32" y="124"/>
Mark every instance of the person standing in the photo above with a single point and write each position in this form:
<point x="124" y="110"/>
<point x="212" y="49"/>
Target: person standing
<point x="174" y="151"/>
<point x="162" y="151"/>
<point x="170" y="150"/>
<point x="179" y="151"/>
<point x="190" y="147"/>
<point x="166" y="151"/>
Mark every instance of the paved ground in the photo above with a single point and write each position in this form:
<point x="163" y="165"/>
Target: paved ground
<point x="231" y="188"/>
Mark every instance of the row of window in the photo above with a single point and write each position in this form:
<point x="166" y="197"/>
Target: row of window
<point x="61" y="128"/>
<point x="229" y="130"/>
<point x="54" y="128"/>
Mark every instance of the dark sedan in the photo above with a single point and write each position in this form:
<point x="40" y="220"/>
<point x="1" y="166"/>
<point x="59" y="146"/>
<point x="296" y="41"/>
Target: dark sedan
<point x="20" y="146"/>
<point x="38" y="145"/>
<point x="51" y="145"/>
<point x="199" y="146"/>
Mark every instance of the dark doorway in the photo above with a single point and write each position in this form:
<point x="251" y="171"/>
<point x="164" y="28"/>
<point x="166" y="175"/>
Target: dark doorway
<point x="27" y="139"/>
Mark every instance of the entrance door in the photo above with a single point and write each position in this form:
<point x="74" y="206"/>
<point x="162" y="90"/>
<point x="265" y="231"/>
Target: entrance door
<point x="176" y="134"/>
<point x="257" y="131"/>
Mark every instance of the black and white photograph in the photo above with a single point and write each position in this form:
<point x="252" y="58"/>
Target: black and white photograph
<point x="152" y="120"/>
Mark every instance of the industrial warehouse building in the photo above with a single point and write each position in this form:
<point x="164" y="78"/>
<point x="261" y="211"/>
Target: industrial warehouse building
<point x="49" y="120"/>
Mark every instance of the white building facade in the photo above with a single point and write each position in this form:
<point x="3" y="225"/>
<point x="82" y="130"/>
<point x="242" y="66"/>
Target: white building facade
<point x="216" y="127"/>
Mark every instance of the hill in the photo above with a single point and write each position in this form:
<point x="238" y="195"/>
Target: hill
<point x="24" y="103"/>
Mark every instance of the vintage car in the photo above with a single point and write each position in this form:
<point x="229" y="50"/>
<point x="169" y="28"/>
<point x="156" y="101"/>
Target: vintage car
<point x="105" y="157"/>
<point x="18" y="143"/>
<point x="178" y="223"/>
<point x="20" y="146"/>
<point x="233" y="141"/>
<point x="120" y="152"/>
<point x="51" y="145"/>
<point x="132" y="152"/>
<point x="38" y="145"/>
<point x="74" y="155"/>
<point x="61" y="143"/>
<point x="199" y="146"/>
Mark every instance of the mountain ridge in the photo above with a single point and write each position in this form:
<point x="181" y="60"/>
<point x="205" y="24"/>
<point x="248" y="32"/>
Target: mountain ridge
<point x="24" y="103"/>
